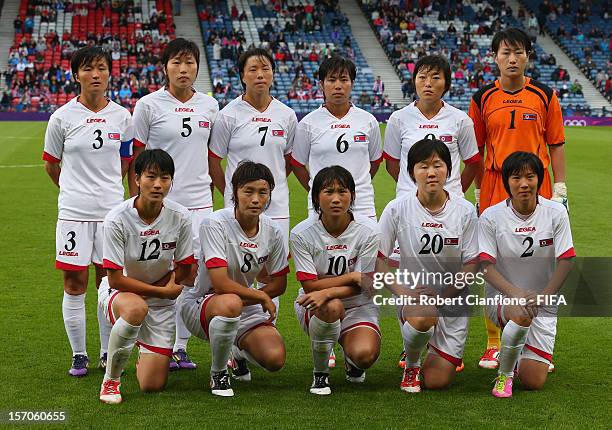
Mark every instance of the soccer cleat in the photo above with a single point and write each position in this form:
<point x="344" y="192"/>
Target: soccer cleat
<point x="411" y="382"/>
<point x="180" y="360"/>
<point x="102" y="362"/>
<point x="460" y="367"/>
<point x="490" y="359"/>
<point x="332" y="360"/>
<point x="110" y="392"/>
<point x="320" y="384"/>
<point x="402" y="361"/>
<point x="220" y="384"/>
<point x="240" y="370"/>
<point x="503" y="386"/>
<point x="80" y="363"/>
<point x="551" y="367"/>
<point x="353" y="374"/>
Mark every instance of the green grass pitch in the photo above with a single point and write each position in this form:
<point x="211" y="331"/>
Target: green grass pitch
<point x="36" y="356"/>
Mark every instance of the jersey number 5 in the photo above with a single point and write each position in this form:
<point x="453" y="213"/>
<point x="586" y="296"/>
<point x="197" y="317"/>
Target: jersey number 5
<point x="186" y="127"/>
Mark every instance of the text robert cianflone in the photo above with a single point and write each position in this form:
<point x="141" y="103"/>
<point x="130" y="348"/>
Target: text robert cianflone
<point x="469" y="300"/>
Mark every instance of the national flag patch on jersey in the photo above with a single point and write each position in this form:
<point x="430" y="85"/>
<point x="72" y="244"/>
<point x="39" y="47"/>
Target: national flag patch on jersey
<point x="114" y="136"/>
<point x="446" y="138"/>
<point x="530" y="116"/>
<point x="168" y="245"/>
<point x="204" y="124"/>
<point x="360" y="138"/>
<point x="546" y="242"/>
<point x="278" y="133"/>
<point x="451" y="241"/>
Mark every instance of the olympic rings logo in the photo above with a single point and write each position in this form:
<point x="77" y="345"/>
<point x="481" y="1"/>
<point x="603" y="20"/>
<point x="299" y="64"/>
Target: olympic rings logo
<point x="575" y="122"/>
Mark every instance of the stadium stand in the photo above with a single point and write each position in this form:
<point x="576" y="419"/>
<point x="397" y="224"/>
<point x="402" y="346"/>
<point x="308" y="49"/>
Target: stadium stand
<point x="409" y="33"/>
<point x="584" y="31"/>
<point x="47" y="33"/>
<point x="299" y="34"/>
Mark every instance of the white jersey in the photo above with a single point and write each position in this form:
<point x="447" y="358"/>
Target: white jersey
<point x="182" y="130"/>
<point x="451" y="125"/>
<point x="317" y="254"/>
<point x="243" y="133"/>
<point x="146" y="251"/>
<point x="90" y="146"/>
<point x="352" y="142"/>
<point x="224" y="244"/>
<point x="440" y="243"/>
<point x="525" y="251"/>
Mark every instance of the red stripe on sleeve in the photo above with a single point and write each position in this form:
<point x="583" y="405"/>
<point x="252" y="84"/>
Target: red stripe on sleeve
<point x="294" y="162"/>
<point x="213" y="155"/>
<point x="50" y="158"/>
<point x="486" y="257"/>
<point x="216" y="262"/>
<point x="188" y="260"/>
<point x="570" y="253"/>
<point x="107" y="264"/>
<point x="304" y="276"/>
<point x="388" y="157"/>
<point x="138" y="143"/>
<point x="281" y="272"/>
<point x="474" y="159"/>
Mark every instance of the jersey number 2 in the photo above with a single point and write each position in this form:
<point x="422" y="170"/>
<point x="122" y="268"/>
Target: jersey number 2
<point x="529" y="251"/>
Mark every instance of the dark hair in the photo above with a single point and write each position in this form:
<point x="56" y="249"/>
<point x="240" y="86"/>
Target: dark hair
<point x="179" y="47"/>
<point x="337" y="64"/>
<point x="519" y="162"/>
<point x="430" y="63"/>
<point x="326" y="177"/>
<point x="249" y="171"/>
<point x="253" y="52"/>
<point x="513" y="37"/>
<point x="424" y="149"/>
<point x="154" y="159"/>
<point x="86" y="56"/>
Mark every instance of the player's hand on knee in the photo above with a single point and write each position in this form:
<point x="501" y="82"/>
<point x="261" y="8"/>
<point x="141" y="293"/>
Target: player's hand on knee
<point x="314" y="300"/>
<point x="269" y="307"/>
<point x="560" y="194"/>
<point x="172" y="290"/>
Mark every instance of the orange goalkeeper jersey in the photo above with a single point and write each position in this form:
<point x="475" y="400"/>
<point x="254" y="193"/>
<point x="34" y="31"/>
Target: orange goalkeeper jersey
<point x="525" y="120"/>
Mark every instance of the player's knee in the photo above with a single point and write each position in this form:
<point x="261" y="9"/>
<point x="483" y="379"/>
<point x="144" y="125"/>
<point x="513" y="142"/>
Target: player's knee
<point x="364" y="356"/>
<point x="422" y="323"/>
<point x="232" y="305"/>
<point x="274" y="360"/>
<point x="331" y="311"/>
<point x="522" y="320"/>
<point x="74" y="284"/>
<point x="437" y="380"/>
<point x="134" y="312"/>
<point x="152" y="386"/>
<point x="532" y="381"/>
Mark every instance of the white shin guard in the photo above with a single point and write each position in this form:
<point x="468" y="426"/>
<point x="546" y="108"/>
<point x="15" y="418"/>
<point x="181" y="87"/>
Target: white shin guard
<point x="121" y="342"/>
<point x="414" y="342"/>
<point x="73" y="311"/>
<point x="323" y="337"/>
<point x="222" y="332"/>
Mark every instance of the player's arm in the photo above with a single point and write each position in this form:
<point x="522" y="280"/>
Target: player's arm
<point x="562" y="271"/>
<point x="301" y="173"/>
<point x="453" y="290"/>
<point x="53" y="149"/>
<point x="557" y="161"/>
<point x="375" y="148"/>
<point x="216" y="172"/>
<point x="469" y="174"/>
<point x="223" y="284"/>
<point x="480" y="132"/>
<point x="118" y="281"/>
<point x="393" y="147"/>
<point x="53" y="169"/>
<point x="288" y="166"/>
<point x="132" y="186"/>
<point x="393" y="167"/>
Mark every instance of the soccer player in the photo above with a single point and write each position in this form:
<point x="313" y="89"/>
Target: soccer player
<point x="178" y="119"/>
<point x="255" y="126"/>
<point x="332" y="252"/>
<point x="226" y="308"/>
<point x="526" y="247"/>
<point x="338" y="133"/>
<point x="87" y="151"/>
<point x="437" y="233"/>
<point x="143" y="237"/>
<point x="515" y="113"/>
<point x="430" y="117"/>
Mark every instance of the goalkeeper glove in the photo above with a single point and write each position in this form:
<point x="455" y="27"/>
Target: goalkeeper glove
<point x="477" y="200"/>
<point x="560" y="194"/>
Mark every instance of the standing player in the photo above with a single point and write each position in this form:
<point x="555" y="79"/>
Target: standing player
<point x="437" y="233"/>
<point x="431" y="117"/>
<point x="332" y="254"/>
<point x="515" y="113"/>
<point x="178" y="119"/>
<point x="339" y="133"/>
<point x="526" y="247"/>
<point x="87" y="151"/>
<point x="257" y="127"/>
<point x="143" y="236"/>
<point x="238" y="243"/>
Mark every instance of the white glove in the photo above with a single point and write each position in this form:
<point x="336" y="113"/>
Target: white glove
<point x="560" y="194"/>
<point x="477" y="200"/>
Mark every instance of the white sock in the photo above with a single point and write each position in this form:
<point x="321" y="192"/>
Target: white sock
<point x="414" y="342"/>
<point x="104" y="327"/>
<point x="512" y="343"/>
<point x="73" y="311"/>
<point x="182" y="332"/>
<point x="323" y="337"/>
<point x="120" y="344"/>
<point x="222" y="332"/>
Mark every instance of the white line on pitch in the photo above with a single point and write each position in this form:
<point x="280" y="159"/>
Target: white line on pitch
<point x="17" y="166"/>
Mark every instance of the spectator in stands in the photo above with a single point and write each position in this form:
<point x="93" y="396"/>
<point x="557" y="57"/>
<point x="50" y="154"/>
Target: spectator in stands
<point x="407" y="89"/>
<point x="6" y="100"/>
<point x="364" y="98"/>
<point x="18" y="25"/>
<point x="600" y="79"/>
<point x="379" y="86"/>
<point x="589" y="64"/>
<point x="576" y="88"/>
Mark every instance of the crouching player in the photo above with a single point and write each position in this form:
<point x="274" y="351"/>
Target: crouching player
<point x="333" y="251"/>
<point x="142" y="238"/>
<point x="526" y="248"/>
<point x="437" y="233"/>
<point x="226" y="308"/>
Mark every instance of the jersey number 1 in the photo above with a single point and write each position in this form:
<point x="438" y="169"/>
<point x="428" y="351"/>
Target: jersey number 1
<point x="512" y="115"/>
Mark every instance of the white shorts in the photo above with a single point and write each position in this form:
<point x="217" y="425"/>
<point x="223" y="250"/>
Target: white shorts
<point x="395" y="257"/>
<point x="284" y="224"/>
<point x="197" y="216"/>
<point x="78" y="244"/>
<point x="365" y="315"/>
<point x="448" y="339"/>
<point x="193" y="313"/>
<point x="156" y="333"/>
<point x="540" y="342"/>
